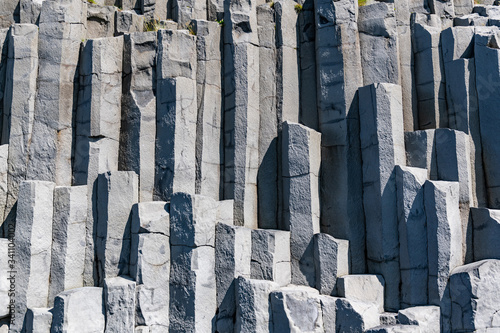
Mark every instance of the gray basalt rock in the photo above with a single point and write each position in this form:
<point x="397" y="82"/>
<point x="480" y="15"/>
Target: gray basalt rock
<point x="193" y="299"/>
<point x="209" y="145"/>
<point x="363" y="288"/>
<point x="412" y="235"/>
<point x="337" y="102"/>
<point x="29" y="11"/>
<point x="329" y="312"/>
<point x="382" y="147"/>
<point x="271" y="256"/>
<point x="19" y="106"/>
<point x="8" y="13"/>
<point x="155" y="9"/>
<point x="241" y="110"/>
<point x="296" y="309"/>
<point x="331" y="260"/>
<point x="119" y="298"/>
<point x="474" y="293"/>
<point x="68" y="239"/>
<point x="429" y="71"/>
<point x="421" y="151"/>
<point x="100" y="21"/>
<point x="426" y="317"/>
<point x="117" y="192"/>
<point x="486" y="226"/>
<point x="80" y="309"/>
<point x="4" y="174"/>
<point x="355" y="316"/>
<point x="33" y="242"/>
<point x="378" y="39"/>
<point x="176" y="114"/>
<point x="232" y="259"/>
<point x="395" y="329"/>
<point x="38" y="320"/>
<point x="127" y="21"/>
<point x="5" y="283"/>
<point x="138" y="114"/>
<point x="301" y="209"/>
<point x="4" y="46"/>
<point x="253" y="309"/>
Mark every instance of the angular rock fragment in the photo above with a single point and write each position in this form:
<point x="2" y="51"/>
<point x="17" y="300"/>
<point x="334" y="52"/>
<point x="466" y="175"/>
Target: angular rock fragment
<point x="38" y="320"/>
<point x="486" y="226"/>
<point x="329" y="312"/>
<point x="119" y="298"/>
<point x="155" y="9"/>
<point x="421" y="151"/>
<point x="395" y="329"/>
<point x="127" y="22"/>
<point x="355" y="316"/>
<point x="426" y="317"/>
<point x="100" y="21"/>
<point x="79" y="310"/>
<point x="331" y="260"/>
<point x="363" y="288"/>
<point x="271" y="256"/>
<point x="253" y="309"/>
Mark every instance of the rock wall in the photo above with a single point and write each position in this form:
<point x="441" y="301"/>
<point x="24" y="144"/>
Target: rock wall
<point x="249" y="166"/>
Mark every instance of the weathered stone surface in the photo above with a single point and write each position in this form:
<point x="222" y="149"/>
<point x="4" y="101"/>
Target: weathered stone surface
<point x="271" y="256"/>
<point x="388" y="318"/>
<point x="119" y="298"/>
<point x="193" y="299"/>
<point x="268" y="177"/>
<point x="329" y="312"/>
<point x="426" y="317"/>
<point x="487" y="79"/>
<point x="457" y="43"/>
<point x="155" y="9"/>
<point x="421" y="151"/>
<point x="5" y="282"/>
<point x="153" y="306"/>
<point x="19" y="106"/>
<point x="4" y="173"/>
<point x="33" y="240"/>
<point x="474" y="292"/>
<point x="378" y="39"/>
<point x="395" y="329"/>
<point x="29" y="11"/>
<point x="471" y="20"/>
<point x="341" y="189"/>
<point x="429" y="71"/>
<point x="138" y="114"/>
<point x="79" y="310"/>
<point x="382" y="147"/>
<point x="100" y="21"/>
<point x="241" y="110"/>
<point x="151" y="217"/>
<point x="68" y="239"/>
<point x="175" y="114"/>
<point x="485" y="223"/>
<point x="301" y="209"/>
<point x="8" y="13"/>
<point x="444" y="10"/>
<point x="444" y="236"/>
<point x="296" y="309"/>
<point x="62" y="28"/>
<point x="364" y="288"/>
<point x="127" y="21"/>
<point x="117" y="192"/>
<point x="463" y="7"/>
<point x="4" y="46"/>
<point x="412" y="235"/>
<point x="453" y="164"/>
<point x="355" y="316"/>
<point x="331" y="260"/>
<point x="209" y="144"/>
<point x="225" y="212"/>
<point x="232" y="259"/>
<point x="38" y="320"/>
<point x="253" y="309"/>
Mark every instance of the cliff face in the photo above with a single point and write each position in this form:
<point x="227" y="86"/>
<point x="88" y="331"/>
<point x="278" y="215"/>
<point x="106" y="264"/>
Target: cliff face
<point x="242" y="166"/>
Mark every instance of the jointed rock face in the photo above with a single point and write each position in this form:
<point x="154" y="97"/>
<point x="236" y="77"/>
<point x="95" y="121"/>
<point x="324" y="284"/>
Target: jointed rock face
<point x="249" y="166"/>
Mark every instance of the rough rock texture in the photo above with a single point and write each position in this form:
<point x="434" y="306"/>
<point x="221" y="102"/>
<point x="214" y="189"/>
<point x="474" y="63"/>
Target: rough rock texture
<point x="331" y="260"/>
<point x="486" y="226"/>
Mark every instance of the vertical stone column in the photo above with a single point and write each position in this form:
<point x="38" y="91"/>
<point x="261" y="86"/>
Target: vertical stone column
<point x="429" y="71"/>
<point x="33" y="240"/>
<point x="233" y="247"/>
<point x="155" y="9"/>
<point x="150" y="263"/>
<point x="267" y="177"/>
<point x="412" y="235"/>
<point x="486" y="223"/>
<point x="183" y="11"/>
<point x="8" y="13"/>
<point x="97" y="127"/>
<point x="4" y="171"/>
<point x="271" y="256"/>
<point x="62" y="28"/>
<point x="406" y="61"/>
<point x="138" y="114"/>
<point x="193" y="299"/>
<point x="4" y="46"/>
<point x="378" y="39"/>
<point x="338" y="64"/>
<point x="487" y="61"/>
<point x="463" y="7"/>
<point x="444" y="236"/>
<point x="453" y="164"/>
<point x="382" y="147"/>
<point x="101" y="20"/>
<point x="301" y="208"/>
<point x="68" y="239"/>
<point x="421" y="151"/>
<point x="209" y="144"/>
<point x="7" y="282"/>
<point x="19" y="106"/>
<point x="120" y="303"/>
<point x="117" y="192"/>
<point x="331" y="260"/>
<point x="175" y="114"/>
<point x="443" y="9"/>
<point x="241" y="114"/>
